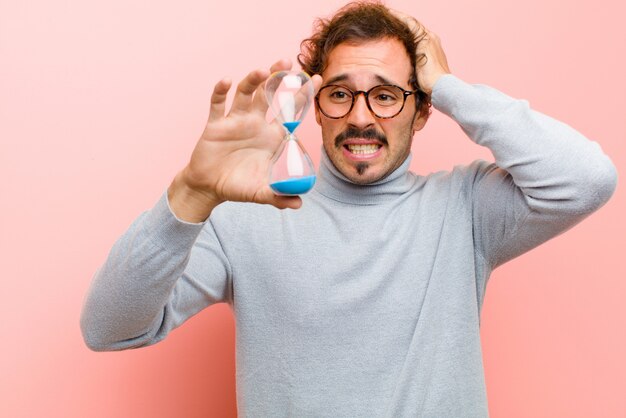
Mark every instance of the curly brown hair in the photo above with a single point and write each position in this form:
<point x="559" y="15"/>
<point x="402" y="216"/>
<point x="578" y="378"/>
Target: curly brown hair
<point x="357" y="22"/>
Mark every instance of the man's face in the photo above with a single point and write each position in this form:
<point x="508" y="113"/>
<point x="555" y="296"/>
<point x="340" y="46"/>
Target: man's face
<point x="363" y="147"/>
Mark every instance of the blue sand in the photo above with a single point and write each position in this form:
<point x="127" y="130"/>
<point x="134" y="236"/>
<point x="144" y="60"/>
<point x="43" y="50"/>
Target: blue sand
<point x="291" y="126"/>
<point x="294" y="186"/>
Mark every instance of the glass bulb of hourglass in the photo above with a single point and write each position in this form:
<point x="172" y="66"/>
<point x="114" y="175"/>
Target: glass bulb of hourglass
<point x="289" y="95"/>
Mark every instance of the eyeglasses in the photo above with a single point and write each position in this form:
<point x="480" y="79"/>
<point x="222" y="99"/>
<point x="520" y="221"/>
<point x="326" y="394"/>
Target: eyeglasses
<point x="384" y="101"/>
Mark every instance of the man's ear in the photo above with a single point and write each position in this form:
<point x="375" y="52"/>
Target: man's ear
<point x="419" y="121"/>
<point x="318" y="117"/>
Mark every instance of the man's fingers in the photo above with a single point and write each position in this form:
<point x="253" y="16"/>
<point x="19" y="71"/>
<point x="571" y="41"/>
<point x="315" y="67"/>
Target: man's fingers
<point x="250" y="93"/>
<point x="281" y="202"/>
<point x="218" y="99"/>
<point x="317" y="82"/>
<point x="246" y="89"/>
<point x="260" y="102"/>
<point x="288" y="202"/>
<point x="282" y="65"/>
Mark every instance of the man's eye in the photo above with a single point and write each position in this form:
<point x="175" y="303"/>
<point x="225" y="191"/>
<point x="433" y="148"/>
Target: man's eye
<point x="338" y="95"/>
<point x="385" y="99"/>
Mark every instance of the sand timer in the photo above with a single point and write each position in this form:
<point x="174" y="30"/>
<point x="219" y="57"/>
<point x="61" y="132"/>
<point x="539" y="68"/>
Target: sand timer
<point x="289" y="95"/>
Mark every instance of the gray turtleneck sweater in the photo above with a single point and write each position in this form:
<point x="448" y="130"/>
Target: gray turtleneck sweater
<point x="366" y="301"/>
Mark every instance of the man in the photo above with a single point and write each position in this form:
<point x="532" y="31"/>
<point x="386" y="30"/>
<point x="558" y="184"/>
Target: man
<point x="365" y="301"/>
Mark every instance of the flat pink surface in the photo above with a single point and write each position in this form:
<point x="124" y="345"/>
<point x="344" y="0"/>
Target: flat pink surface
<point x="101" y="104"/>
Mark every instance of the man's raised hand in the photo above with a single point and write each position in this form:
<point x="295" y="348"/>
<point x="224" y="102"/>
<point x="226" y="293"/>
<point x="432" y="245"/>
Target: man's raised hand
<point x="232" y="158"/>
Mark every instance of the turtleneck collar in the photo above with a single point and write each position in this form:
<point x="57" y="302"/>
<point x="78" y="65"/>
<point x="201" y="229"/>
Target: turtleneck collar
<point x="334" y="185"/>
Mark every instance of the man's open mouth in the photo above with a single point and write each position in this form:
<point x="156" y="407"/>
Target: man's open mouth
<point x="362" y="149"/>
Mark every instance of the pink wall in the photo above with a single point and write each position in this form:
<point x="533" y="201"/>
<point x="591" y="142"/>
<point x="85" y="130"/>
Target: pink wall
<point x="101" y="104"/>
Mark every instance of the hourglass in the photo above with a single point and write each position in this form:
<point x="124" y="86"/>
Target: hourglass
<point x="289" y="95"/>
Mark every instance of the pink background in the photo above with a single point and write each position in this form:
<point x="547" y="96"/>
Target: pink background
<point x="101" y="104"/>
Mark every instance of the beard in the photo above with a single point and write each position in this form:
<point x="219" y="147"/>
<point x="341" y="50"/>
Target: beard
<point x="367" y="172"/>
<point x="353" y="132"/>
<point x="361" y="168"/>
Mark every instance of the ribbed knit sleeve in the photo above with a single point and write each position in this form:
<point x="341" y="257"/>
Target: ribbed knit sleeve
<point x="546" y="177"/>
<point x="152" y="281"/>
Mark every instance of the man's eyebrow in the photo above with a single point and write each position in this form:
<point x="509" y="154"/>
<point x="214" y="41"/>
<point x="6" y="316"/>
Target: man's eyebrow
<point x="340" y="77"/>
<point x="343" y="77"/>
<point x="383" y="80"/>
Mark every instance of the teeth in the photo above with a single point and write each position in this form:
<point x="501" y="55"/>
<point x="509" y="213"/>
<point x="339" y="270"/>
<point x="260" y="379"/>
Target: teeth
<point x="363" y="149"/>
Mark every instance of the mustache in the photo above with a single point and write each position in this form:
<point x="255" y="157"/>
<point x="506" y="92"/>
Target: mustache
<point x="353" y="132"/>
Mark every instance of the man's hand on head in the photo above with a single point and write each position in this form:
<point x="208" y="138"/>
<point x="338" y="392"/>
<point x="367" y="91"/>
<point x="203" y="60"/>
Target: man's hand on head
<point x="431" y="59"/>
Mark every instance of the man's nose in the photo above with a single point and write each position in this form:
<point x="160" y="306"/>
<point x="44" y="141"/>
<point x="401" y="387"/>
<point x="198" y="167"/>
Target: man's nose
<point x="360" y="115"/>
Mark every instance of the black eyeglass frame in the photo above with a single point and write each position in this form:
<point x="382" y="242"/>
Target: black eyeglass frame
<point x="354" y="94"/>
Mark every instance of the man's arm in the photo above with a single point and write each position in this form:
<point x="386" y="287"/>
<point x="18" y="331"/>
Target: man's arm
<point x="169" y="265"/>
<point x="547" y="176"/>
<point x="159" y="273"/>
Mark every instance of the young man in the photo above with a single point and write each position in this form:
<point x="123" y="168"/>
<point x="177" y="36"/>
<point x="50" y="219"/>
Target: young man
<point x="365" y="301"/>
